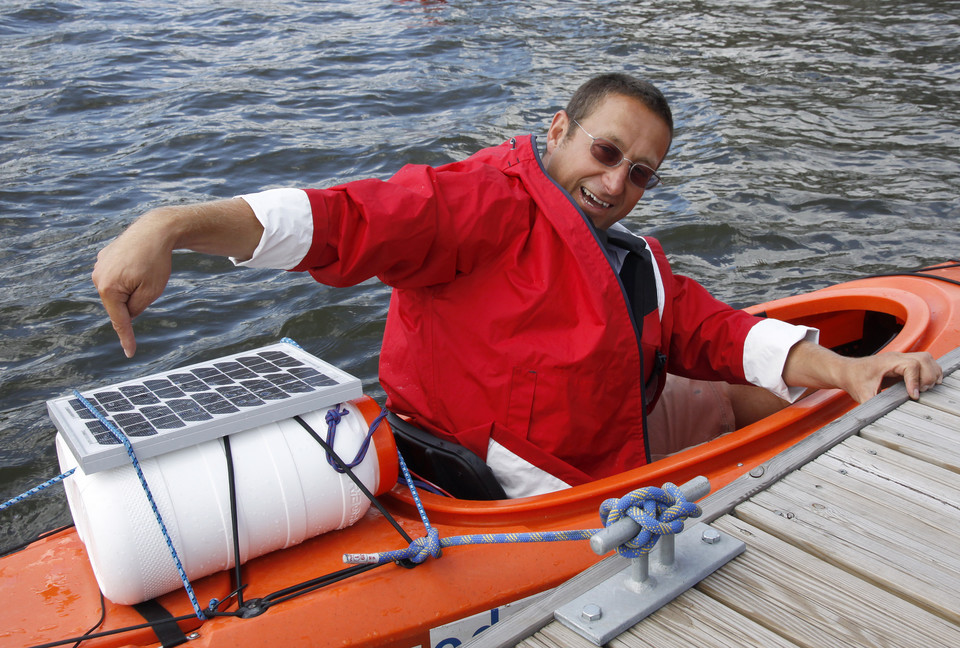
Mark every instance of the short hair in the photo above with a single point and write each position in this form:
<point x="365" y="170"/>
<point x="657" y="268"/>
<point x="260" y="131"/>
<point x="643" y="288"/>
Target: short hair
<point x="588" y="96"/>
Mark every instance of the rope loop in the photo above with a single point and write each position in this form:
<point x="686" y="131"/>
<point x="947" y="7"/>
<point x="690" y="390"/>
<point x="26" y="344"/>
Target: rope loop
<point x="333" y="418"/>
<point x="658" y="511"/>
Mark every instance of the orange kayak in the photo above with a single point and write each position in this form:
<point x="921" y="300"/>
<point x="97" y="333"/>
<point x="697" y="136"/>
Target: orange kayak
<point x="306" y="595"/>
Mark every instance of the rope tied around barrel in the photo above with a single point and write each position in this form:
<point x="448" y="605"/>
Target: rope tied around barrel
<point x="658" y="511"/>
<point x="333" y="418"/>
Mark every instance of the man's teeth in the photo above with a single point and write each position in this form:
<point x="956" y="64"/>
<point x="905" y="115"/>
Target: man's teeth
<point x="592" y="198"/>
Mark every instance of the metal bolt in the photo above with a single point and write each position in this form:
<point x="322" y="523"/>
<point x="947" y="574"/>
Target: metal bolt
<point x="785" y="514"/>
<point x="193" y="635"/>
<point x="757" y="472"/>
<point x="710" y="536"/>
<point x="591" y="612"/>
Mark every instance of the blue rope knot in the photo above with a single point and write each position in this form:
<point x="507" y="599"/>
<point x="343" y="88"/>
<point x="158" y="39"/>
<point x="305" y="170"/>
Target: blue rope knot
<point x="334" y="415"/>
<point x="333" y="418"/>
<point x="658" y="511"/>
<point x="424" y="547"/>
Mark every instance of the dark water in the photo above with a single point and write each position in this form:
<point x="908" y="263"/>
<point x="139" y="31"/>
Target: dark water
<point x="816" y="142"/>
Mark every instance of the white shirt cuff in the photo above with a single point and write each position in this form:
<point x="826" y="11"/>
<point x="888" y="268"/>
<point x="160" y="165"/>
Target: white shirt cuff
<point x="287" y="221"/>
<point x="765" y="353"/>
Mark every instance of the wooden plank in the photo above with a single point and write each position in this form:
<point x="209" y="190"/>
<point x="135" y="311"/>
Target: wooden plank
<point x="952" y="381"/>
<point x="952" y="384"/>
<point x="558" y="635"/>
<point x="746" y="486"/>
<point x="902" y="535"/>
<point x="885" y="555"/>
<point x="878" y="464"/>
<point x="915" y="443"/>
<point x="890" y="506"/>
<point x="813" y="603"/>
<point x="695" y="620"/>
<point x="921" y="430"/>
<point x="942" y="399"/>
<point x="950" y="361"/>
<point x="523" y="624"/>
<point x="934" y="421"/>
<point x="536" y="642"/>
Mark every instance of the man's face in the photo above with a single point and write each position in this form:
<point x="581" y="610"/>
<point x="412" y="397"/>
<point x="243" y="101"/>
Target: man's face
<point x="604" y="193"/>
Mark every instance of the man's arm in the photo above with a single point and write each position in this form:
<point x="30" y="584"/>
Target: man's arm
<point x="133" y="270"/>
<point x="811" y="365"/>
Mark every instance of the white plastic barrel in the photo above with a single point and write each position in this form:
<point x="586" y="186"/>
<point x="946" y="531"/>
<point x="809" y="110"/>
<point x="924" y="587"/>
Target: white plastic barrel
<point x="286" y="493"/>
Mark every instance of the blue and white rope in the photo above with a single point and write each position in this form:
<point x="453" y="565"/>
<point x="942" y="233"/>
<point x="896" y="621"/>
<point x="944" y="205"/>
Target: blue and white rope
<point x="658" y="511"/>
<point x="431" y="532"/>
<point x="122" y="438"/>
<point x="430" y="545"/>
<point x="36" y="489"/>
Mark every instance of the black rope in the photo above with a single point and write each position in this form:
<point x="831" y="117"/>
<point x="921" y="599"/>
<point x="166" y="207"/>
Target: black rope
<point x="923" y="272"/>
<point x="255" y="607"/>
<point x="343" y="468"/>
<point x="314" y="584"/>
<point x="103" y="617"/>
<point x="23" y="545"/>
<point x="110" y="633"/>
<point x="922" y="275"/>
<point x="234" y="522"/>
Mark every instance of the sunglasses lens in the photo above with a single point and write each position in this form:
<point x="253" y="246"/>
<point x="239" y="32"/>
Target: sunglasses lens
<point x="606" y="153"/>
<point x="643" y="177"/>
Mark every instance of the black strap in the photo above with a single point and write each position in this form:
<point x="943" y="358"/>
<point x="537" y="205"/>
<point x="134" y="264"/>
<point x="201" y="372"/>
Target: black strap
<point x="640" y="287"/>
<point x="453" y="467"/>
<point x="162" y="622"/>
<point x="234" y="521"/>
<point x="639" y="280"/>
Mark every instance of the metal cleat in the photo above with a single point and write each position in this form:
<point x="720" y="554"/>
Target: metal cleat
<point x="678" y="563"/>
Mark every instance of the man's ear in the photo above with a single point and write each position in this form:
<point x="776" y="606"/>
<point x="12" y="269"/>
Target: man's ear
<point x="557" y="131"/>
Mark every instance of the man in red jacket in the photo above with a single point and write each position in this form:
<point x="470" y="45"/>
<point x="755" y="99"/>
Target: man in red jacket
<point x="526" y="324"/>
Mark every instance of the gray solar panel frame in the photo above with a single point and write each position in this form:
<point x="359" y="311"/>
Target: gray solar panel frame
<point x="94" y="456"/>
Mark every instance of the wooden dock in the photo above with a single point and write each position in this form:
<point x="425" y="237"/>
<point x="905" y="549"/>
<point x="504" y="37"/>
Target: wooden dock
<point x="852" y="539"/>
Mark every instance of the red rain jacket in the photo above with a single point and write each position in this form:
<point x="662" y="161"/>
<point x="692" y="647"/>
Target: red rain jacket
<point x="507" y="319"/>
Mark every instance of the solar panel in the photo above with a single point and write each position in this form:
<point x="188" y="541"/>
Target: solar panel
<point x="183" y="407"/>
